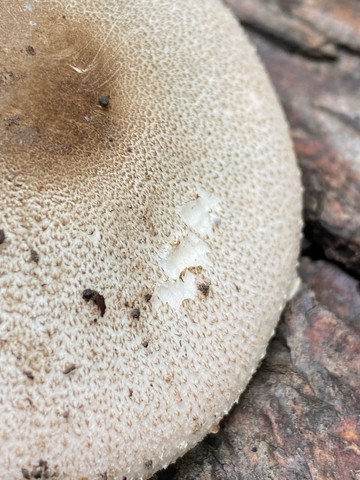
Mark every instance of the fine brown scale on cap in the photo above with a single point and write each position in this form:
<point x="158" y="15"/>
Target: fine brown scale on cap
<point x="53" y="75"/>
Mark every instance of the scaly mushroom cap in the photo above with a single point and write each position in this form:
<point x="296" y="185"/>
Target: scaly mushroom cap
<point x="150" y="216"/>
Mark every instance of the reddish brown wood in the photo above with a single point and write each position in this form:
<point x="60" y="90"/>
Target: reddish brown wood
<point x="322" y="101"/>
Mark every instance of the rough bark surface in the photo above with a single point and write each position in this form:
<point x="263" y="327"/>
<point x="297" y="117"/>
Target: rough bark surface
<point x="300" y="416"/>
<point x="312" y="53"/>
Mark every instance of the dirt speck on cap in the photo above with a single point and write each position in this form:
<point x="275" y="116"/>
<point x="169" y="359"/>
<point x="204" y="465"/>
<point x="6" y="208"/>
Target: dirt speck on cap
<point x="104" y="100"/>
<point x="34" y="256"/>
<point x="25" y="473"/>
<point x="135" y="313"/>
<point x="69" y="368"/>
<point x="30" y="50"/>
<point x="29" y="374"/>
<point x="99" y="300"/>
<point x="204" y="288"/>
<point x="39" y="471"/>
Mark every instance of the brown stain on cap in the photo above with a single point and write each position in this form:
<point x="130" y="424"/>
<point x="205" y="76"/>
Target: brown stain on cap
<point x="49" y="102"/>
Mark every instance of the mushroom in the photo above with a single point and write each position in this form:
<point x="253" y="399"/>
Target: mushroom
<point x="145" y="159"/>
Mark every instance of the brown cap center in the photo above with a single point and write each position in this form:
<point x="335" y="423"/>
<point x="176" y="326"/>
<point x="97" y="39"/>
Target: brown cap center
<point x="58" y="90"/>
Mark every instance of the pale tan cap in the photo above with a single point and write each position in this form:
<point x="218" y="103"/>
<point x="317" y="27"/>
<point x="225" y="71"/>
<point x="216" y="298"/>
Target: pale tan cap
<point x="150" y="214"/>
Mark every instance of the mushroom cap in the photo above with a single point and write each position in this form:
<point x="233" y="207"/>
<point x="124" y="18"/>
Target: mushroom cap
<point x="150" y="206"/>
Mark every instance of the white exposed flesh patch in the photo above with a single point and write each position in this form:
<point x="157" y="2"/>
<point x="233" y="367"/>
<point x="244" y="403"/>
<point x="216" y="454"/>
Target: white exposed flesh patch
<point x="201" y="214"/>
<point x="190" y="252"/>
<point x="174" y="292"/>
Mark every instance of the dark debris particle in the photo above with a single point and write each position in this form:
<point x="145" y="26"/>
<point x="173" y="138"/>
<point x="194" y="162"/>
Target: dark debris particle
<point x="37" y="473"/>
<point x="29" y="374"/>
<point x="25" y="473"/>
<point x="69" y="368"/>
<point x="204" y="289"/>
<point x="254" y="449"/>
<point x="104" y="100"/>
<point x="148" y="464"/>
<point x="30" y="50"/>
<point x="34" y="256"/>
<point x="2" y="236"/>
<point x="135" y="313"/>
<point x="148" y="297"/>
<point x="98" y="299"/>
<point x="145" y="344"/>
<point x="41" y="471"/>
